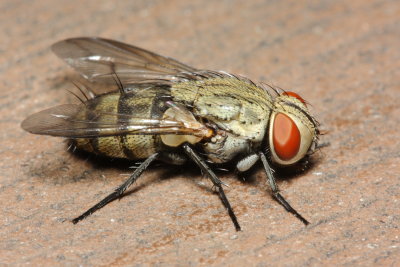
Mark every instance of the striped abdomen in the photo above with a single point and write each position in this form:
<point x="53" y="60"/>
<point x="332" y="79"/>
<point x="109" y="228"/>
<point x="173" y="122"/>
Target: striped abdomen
<point x="146" y="103"/>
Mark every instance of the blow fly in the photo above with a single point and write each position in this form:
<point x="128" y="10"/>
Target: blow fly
<point x="168" y="111"/>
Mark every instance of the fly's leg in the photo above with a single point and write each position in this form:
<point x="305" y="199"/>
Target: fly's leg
<point x="120" y="190"/>
<point x="275" y="190"/>
<point x="215" y="180"/>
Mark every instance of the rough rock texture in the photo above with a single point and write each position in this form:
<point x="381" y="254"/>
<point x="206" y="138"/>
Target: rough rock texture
<point x="343" y="57"/>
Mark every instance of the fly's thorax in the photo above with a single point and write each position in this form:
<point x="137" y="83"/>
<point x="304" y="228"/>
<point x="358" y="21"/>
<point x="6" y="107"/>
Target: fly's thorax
<point x="292" y="130"/>
<point x="234" y="105"/>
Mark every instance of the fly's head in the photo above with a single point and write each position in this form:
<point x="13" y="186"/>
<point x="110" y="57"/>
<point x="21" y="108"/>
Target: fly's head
<point x="293" y="132"/>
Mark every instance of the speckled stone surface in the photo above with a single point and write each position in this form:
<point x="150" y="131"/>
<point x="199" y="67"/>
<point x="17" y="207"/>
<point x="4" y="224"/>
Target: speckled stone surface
<point x="343" y="57"/>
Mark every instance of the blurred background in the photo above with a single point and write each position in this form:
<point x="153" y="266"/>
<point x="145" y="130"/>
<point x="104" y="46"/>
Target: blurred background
<point x="341" y="56"/>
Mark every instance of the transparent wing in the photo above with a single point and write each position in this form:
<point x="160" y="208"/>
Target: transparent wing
<point x="79" y="121"/>
<point x="98" y="59"/>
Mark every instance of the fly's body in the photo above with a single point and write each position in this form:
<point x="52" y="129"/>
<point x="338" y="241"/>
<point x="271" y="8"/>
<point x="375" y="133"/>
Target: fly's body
<point x="241" y="117"/>
<point x="165" y="110"/>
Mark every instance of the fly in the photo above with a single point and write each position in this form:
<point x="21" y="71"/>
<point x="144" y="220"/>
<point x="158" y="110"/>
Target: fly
<point x="166" y="110"/>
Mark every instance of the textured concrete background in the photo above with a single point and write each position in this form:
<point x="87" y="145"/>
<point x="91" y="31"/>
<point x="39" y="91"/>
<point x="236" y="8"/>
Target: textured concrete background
<point x="342" y="56"/>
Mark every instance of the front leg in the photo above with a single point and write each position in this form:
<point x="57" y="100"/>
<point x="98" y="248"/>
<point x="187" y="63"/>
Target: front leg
<point x="275" y="190"/>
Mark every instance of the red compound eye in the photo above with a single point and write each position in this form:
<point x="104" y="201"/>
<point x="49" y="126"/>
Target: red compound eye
<point x="286" y="137"/>
<point x="293" y="94"/>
